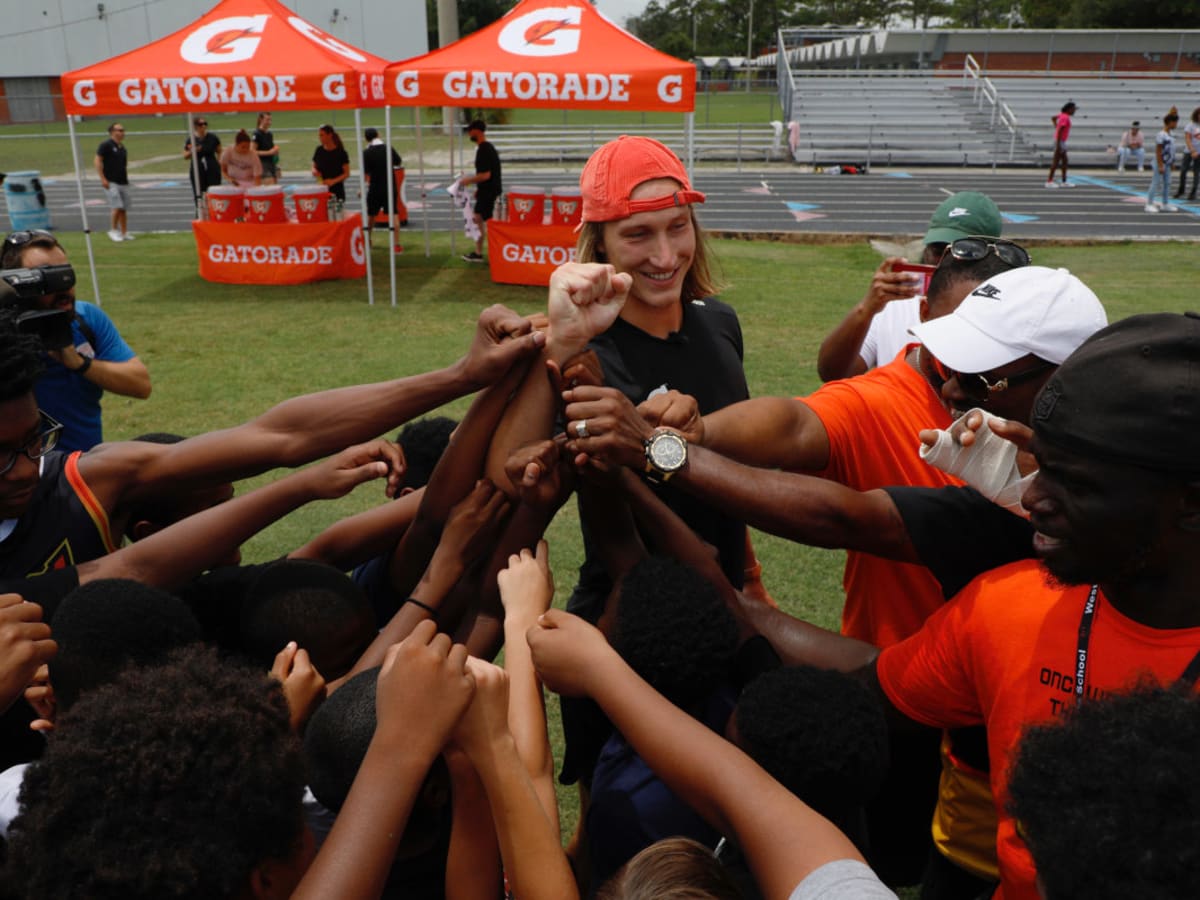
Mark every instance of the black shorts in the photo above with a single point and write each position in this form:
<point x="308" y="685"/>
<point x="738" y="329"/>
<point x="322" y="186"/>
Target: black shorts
<point x="484" y="205"/>
<point x="376" y="203"/>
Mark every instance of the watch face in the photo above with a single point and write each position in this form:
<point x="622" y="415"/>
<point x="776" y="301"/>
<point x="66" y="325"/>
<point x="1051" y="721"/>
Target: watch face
<point x="668" y="452"/>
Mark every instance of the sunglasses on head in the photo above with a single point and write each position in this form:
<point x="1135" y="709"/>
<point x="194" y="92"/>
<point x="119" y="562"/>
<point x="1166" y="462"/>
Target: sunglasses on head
<point x="976" y="386"/>
<point x="973" y="249"/>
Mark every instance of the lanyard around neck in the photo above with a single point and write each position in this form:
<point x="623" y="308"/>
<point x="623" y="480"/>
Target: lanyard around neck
<point x="1187" y="679"/>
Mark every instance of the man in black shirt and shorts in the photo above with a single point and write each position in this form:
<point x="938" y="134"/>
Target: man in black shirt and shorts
<point x="487" y="177"/>
<point x="111" y="165"/>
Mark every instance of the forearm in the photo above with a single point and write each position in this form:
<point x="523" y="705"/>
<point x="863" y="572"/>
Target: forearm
<point x="528" y="417"/>
<point x="802" y="508"/>
<point x="473" y="860"/>
<point x="180" y="552"/>
<point x="527" y="711"/>
<point x="769" y="431"/>
<point x="354" y="540"/>
<point x="315" y="425"/>
<point x="839" y="354"/>
<point x="782" y="838"/>
<point x="530" y="846"/>
<point x="801" y="643"/>
<point x="357" y="855"/>
<point x="129" y="378"/>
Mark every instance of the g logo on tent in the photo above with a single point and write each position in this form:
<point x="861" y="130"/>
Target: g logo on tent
<point x="550" y="31"/>
<point x="230" y="40"/>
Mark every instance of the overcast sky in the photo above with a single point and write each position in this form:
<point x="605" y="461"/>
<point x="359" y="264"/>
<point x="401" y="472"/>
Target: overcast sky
<point x="619" y="10"/>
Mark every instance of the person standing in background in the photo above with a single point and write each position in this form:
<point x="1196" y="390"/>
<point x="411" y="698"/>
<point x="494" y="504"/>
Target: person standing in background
<point x="112" y="166"/>
<point x="331" y="162"/>
<point x="487" y="181"/>
<point x="266" y="148"/>
<point x="1164" y="156"/>
<point x="240" y="164"/>
<point x="1190" y="157"/>
<point x="1062" y="130"/>
<point x="208" y="156"/>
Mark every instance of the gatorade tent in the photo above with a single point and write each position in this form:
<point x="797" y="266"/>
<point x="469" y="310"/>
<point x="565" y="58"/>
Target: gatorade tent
<point x="241" y="55"/>
<point x="548" y="54"/>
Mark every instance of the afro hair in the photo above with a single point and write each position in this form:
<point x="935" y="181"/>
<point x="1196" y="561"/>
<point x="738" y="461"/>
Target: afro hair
<point x="172" y="782"/>
<point x="1108" y="800"/>
<point x="673" y="630"/>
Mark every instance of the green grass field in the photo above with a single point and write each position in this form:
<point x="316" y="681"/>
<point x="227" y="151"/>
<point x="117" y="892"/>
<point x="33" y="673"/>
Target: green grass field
<point x="220" y="354"/>
<point x="156" y="142"/>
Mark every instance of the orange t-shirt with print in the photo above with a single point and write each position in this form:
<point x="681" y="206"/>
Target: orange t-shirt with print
<point x="1002" y="654"/>
<point x="872" y="421"/>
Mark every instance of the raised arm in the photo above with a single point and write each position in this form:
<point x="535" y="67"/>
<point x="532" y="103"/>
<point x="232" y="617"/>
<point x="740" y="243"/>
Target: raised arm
<point x="172" y="556"/>
<point x="783" y="839"/>
<point x="423" y="680"/>
<point x="583" y="301"/>
<point x="309" y="427"/>
<point x="840" y="355"/>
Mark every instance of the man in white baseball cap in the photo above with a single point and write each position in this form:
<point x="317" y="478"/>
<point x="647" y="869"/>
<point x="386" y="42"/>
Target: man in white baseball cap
<point x="996" y="350"/>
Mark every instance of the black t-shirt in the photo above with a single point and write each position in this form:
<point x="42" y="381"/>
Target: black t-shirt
<point x="488" y="160"/>
<point x="331" y="164"/>
<point x="958" y="533"/>
<point x="264" y="140"/>
<point x="206" y="150"/>
<point x="375" y="167"/>
<point x="702" y="359"/>
<point x="113" y="160"/>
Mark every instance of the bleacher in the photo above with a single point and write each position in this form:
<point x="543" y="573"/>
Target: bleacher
<point x="1106" y="107"/>
<point x="568" y="144"/>
<point x="889" y="118"/>
<point x="913" y="118"/>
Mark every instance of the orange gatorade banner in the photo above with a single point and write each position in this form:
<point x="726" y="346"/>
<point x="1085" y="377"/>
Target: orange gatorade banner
<point x="548" y="54"/>
<point x="237" y="253"/>
<point x="241" y="55"/>
<point x="527" y="254"/>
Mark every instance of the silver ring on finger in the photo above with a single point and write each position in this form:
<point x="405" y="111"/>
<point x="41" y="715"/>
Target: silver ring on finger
<point x="581" y="429"/>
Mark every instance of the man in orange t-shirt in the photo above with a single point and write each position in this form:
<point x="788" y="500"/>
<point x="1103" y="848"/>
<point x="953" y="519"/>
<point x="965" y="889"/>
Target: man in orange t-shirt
<point x="1116" y="508"/>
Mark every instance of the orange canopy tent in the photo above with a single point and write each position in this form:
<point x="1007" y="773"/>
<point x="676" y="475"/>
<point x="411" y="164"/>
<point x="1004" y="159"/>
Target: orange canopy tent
<point x="548" y="54"/>
<point x="241" y="55"/>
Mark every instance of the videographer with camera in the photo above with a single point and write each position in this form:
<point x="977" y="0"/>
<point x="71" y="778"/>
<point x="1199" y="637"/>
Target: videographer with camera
<point x="86" y="355"/>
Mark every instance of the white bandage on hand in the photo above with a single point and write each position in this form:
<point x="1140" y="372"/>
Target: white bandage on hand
<point x="989" y="465"/>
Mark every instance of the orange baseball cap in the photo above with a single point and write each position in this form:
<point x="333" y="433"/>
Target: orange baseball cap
<point x="613" y="171"/>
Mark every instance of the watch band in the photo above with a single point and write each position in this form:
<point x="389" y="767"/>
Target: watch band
<point x="87" y="364"/>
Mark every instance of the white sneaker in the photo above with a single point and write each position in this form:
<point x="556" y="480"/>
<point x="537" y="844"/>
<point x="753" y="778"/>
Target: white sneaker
<point x="1051" y="184"/>
<point x="1120" y="168"/>
<point x="1170" y="207"/>
<point x="114" y="235"/>
<point x="1150" y="207"/>
<point x="1068" y="184"/>
<point x="127" y="236"/>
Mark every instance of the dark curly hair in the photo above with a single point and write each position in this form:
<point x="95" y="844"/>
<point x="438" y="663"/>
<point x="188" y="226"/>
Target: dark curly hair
<point x="821" y="734"/>
<point x="315" y="605"/>
<point x="111" y="623"/>
<point x="673" y="630"/>
<point x="171" y="782"/>
<point x="1108" y="800"/>
<point x="20" y="358"/>
<point x="423" y="442"/>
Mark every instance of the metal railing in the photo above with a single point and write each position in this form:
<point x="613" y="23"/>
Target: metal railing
<point x="984" y="91"/>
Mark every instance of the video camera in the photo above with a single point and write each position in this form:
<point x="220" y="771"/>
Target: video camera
<point x="20" y="289"/>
